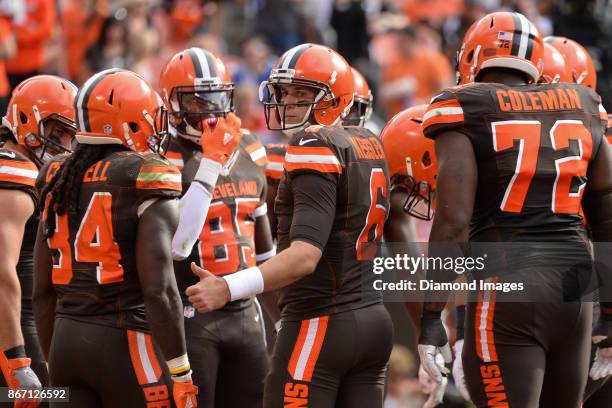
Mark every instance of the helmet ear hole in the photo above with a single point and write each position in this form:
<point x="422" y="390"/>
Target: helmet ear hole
<point x="133" y="127"/>
<point x="111" y="97"/>
<point x="23" y="118"/>
<point x="426" y="160"/>
<point x="470" y="56"/>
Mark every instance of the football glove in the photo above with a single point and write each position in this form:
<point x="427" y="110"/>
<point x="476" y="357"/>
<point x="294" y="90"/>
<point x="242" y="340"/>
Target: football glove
<point x="220" y="137"/>
<point x="19" y="375"/>
<point x="433" y="340"/>
<point x="184" y="392"/>
<point x="434" y="389"/>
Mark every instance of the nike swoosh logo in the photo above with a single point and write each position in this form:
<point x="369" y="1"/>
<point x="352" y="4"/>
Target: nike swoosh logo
<point x="8" y="154"/>
<point x="302" y="142"/>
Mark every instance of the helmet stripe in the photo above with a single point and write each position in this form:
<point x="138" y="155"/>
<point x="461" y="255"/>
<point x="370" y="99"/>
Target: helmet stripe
<point x="524" y="35"/>
<point x="210" y="62"/>
<point x="516" y="38"/>
<point x="83" y="95"/>
<point x="292" y="56"/>
<point x="200" y="62"/>
<point x="532" y="33"/>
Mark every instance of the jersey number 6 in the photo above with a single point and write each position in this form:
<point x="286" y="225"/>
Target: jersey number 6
<point x="366" y="247"/>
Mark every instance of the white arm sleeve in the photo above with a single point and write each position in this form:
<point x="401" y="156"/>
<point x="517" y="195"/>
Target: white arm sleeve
<point x="193" y="209"/>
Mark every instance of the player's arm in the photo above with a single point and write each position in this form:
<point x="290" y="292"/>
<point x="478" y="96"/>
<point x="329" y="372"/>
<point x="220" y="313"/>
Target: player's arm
<point x="264" y="240"/>
<point x="272" y="190"/>
<point x="157" y="186"/>
<point x="156" y="275"/>
<point x="456" y="189"/>
<point x="17" y="207"/>
<point x="314" y="205"/>
<point x="314" y="208"/>
<point x="265" y="249"/>
<point x="44" y="298"/>
<point x="597" y="207"/>
<point x="194" y="205"/>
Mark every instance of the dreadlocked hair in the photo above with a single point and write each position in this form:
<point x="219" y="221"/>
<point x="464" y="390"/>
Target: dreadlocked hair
<point x="65" y="186"/>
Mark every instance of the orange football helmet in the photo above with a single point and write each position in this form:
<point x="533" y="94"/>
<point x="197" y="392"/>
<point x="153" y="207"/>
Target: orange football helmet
<point x="501" y="40"/>
<point x="411" y="158"/>
<point x="577" y="60"/>
<point x="362" y="103"/>
<point x="196" y="85"/>
<point x="319" y="71"/>
<point x="117" y="106"/>
<point x="555" y="69"/>
<point x="40" y="115"/>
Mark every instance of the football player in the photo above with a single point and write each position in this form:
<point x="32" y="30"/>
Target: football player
<point x="104" y="285"/>
<point x="580" y="67"/>
<point x="578" y="62"/>
<point x="514" y="159"/>
<point x="554" y="70"/>
<point x="39" y="124"/>
<point x="226" y="347"/>
<point x="599" y="386"/>
<point x="363" y="102"/>
<point x="412" y="171"/>
<point x="331" y="206"/>
<point x="360" y="113"/>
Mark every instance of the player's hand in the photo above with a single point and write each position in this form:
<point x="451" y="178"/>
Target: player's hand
<point x="210" y="293"/>
<point x="433" y="340"/>
<point x="458" y="374"/>
<point x="185" y="394"/>
<point x="432" y="388"/>
<point x="602" y="337"/>
<point x="20" y="376"/>
<point x="220" y="137"/>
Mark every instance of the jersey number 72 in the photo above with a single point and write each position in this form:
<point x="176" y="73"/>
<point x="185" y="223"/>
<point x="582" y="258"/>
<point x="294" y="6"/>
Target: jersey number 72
<point x="529" y="134"/>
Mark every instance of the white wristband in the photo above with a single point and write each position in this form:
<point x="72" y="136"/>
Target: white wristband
<point x="208" y="172"/>
<point x="245" y="284"/>
<point x="178" y="364"/>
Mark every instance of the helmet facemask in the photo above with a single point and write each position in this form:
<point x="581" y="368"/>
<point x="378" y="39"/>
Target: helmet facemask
<point x="420" y="197"/>
<point x="192" y="105"/>
<point x="159" y="141"/>
<point x="56" y="134"/>
<point x="360" y="112"/>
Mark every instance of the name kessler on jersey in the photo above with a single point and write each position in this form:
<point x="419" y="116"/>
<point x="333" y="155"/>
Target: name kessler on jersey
<point x="349" y="163"/>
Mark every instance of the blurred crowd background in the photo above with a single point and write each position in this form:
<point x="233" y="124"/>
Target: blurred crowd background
<point x="405" y="48"/>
